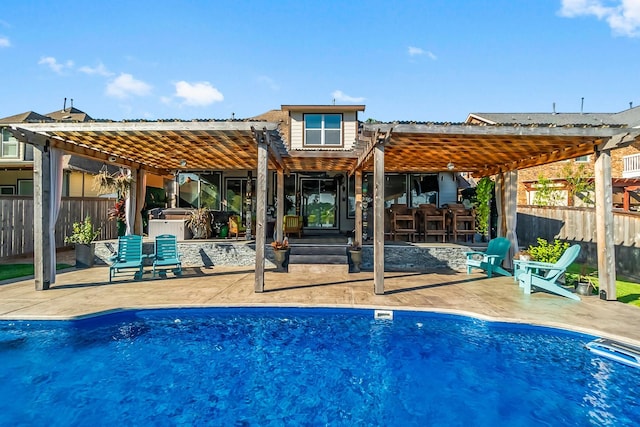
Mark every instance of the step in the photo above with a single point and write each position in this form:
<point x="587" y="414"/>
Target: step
<point x="315" y="269"/>
<point x="317" y="259"/>
<point x="318" y="250"/>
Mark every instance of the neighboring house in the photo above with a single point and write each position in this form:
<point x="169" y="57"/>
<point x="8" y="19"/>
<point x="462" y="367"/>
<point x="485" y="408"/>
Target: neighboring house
<point x="16" y="159"/>
<point x="625" y="162"/>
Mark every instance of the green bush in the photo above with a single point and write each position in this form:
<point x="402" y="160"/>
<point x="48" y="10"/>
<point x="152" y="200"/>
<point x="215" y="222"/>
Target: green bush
<point x="547" y="252"/>
<point x="83" y="232"/>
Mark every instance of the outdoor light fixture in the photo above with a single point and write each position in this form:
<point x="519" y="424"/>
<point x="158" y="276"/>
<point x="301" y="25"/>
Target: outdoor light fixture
<point x="112" y="159"/>
<point x="183" y="163"/>
<point x="451" y="166"/>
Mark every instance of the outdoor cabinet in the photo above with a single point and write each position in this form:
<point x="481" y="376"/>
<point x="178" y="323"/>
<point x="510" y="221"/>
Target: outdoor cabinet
<point x="177" y="227"/>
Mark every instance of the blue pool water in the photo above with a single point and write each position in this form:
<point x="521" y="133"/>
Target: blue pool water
<point x="237" y="367"/>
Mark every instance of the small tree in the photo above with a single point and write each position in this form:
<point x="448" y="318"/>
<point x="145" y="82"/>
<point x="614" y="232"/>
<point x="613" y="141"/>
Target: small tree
<point x="546" y="193"/>
<point x="484" y="192"/>
<point x="579" y="184"/>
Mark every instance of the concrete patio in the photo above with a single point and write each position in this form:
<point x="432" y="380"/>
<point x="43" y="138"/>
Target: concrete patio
<point x="79" y="293"/>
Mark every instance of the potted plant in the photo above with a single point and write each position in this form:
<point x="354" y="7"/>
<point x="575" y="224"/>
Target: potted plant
<point x="82" y="238"/>
<point x="584" y="282"/>
<point x="355" y="256"/>
<point x="199" y="222"/>
<point x="118" y="213"/>
<point x="280" y="254"/>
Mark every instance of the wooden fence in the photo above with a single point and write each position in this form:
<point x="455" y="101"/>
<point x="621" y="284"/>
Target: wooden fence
<point x="578" y="225"/>
<point x="16" y="221"/>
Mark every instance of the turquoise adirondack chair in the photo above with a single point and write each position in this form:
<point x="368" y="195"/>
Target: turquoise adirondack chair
<point x="129" y="257"/>
<point x="545" y="275"/>
<point x="490" y="260"/>
<point x="166" y="255"/>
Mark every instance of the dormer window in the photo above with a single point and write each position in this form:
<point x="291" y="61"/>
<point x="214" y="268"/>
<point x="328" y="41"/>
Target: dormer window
<point x="323" y="129"/>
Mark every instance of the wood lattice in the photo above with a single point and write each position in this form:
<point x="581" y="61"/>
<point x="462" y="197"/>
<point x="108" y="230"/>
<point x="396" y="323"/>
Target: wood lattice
<point x="166" y="146"/>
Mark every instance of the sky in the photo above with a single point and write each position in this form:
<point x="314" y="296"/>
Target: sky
<point x="429" y="60"/>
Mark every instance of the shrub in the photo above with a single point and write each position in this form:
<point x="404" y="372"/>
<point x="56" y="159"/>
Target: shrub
<point x="547" y="252"/>
<point x="83" y="232"/>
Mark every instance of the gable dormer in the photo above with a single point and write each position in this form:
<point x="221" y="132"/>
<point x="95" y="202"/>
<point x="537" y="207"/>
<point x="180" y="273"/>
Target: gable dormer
<point x="322" y="127"/>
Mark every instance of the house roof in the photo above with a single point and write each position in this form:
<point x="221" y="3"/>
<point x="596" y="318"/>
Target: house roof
<point x="26" y="117"/>
<point x="71" y="114"/>
<point x="629" y="118"/>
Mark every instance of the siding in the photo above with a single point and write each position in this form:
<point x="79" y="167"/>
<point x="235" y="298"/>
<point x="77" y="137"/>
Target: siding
<point x="349" y="131"/>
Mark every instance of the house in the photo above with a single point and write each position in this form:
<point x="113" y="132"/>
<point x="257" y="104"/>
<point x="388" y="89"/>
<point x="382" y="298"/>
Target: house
<point x="625" y="161"/>
<point x="16" y="160"/>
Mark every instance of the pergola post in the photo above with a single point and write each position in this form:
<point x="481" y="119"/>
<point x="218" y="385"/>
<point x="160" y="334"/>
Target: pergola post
<point x="357" y="238"/>
<point x="42" y="244"/>
<point x="280" y="205"/>
<point x="604" y="226"/>
<point x="261" y="211"/>
<point x="378" y="218"/>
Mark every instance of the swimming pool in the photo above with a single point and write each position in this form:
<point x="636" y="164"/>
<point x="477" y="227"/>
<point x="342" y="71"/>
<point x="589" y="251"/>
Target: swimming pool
<point x="305" y="367"/>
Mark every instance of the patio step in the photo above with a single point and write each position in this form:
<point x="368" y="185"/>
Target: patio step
<point x="318" y="259"/>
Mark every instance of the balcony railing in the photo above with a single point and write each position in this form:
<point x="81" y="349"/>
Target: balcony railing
<point x="631" y="166"/>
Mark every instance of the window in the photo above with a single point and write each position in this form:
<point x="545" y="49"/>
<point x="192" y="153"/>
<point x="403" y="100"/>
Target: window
<point x="238" y="197"/>
<point x="25" y="187"/>
<point x="199" y="190"/>
<point x="323" y="129"/>
<point x="582" y="159"/>
<point x="9" y="147"/>
<point x="7" y="190"/>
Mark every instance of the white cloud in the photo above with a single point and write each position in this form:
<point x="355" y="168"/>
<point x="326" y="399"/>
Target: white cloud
<point x="125" y="86"/>
<point x="339" y="96"/>
<point x="198" y="94"/>
<point x="414" y="51"/>
<point x="54" y="65"/>
<point x="99" y="70"/>
<point x="4" y="42"/>
<point x="623" y="16"/>
<point x="417" y="51"/>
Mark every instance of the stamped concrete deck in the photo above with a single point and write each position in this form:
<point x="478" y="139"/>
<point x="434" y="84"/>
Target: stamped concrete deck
<point x="79" y="293"/>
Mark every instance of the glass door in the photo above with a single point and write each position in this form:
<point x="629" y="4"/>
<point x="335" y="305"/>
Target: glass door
<point x="319" y="203"/>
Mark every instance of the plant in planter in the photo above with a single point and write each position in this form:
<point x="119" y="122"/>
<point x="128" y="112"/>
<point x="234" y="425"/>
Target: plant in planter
<point x="199" y="222"/>
<point x="584" y="282"/>
<point x="355" y="256"/>
<point x="118" y="213"/>
<point x="280" y="253"/>
<point x="82" y="238"/>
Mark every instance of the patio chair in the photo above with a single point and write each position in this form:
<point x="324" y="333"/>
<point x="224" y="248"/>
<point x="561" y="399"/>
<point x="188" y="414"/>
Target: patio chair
<point x="490" y="260"/>
<point x="403" y="222"/>
<point x="166" y="254"/>
<point x="128" y="257"/>
<point x="236" y="227"/>
<point x="292" y="225"/>
<point x="546" y="275"/>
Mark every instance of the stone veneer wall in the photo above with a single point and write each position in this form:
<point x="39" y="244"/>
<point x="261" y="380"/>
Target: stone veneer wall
<point x="212" y="253"/>
<point x="196" y="253"/>
<point x="418" y="258"/>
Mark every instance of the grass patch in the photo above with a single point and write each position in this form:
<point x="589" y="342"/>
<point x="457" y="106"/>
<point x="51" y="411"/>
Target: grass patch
<point x="627" y="291"/>
<point x="12" y="271"/>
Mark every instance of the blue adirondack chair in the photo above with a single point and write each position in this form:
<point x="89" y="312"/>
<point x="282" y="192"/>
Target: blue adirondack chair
<point x="129" y="257"/>
<point x="545" y="275"/>
<point x="490" y="260"/>
<point x="166" y="255"/>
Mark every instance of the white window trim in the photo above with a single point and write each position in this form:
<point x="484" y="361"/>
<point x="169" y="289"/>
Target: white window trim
<point x="4" y="144"/>
<point x="323" y="130"/>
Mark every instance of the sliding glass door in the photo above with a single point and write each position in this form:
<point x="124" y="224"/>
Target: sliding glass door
<point x="319" y="203"/>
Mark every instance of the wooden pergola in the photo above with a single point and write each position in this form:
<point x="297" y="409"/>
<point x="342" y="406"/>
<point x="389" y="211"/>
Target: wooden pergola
<point x="166" y="146"/>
